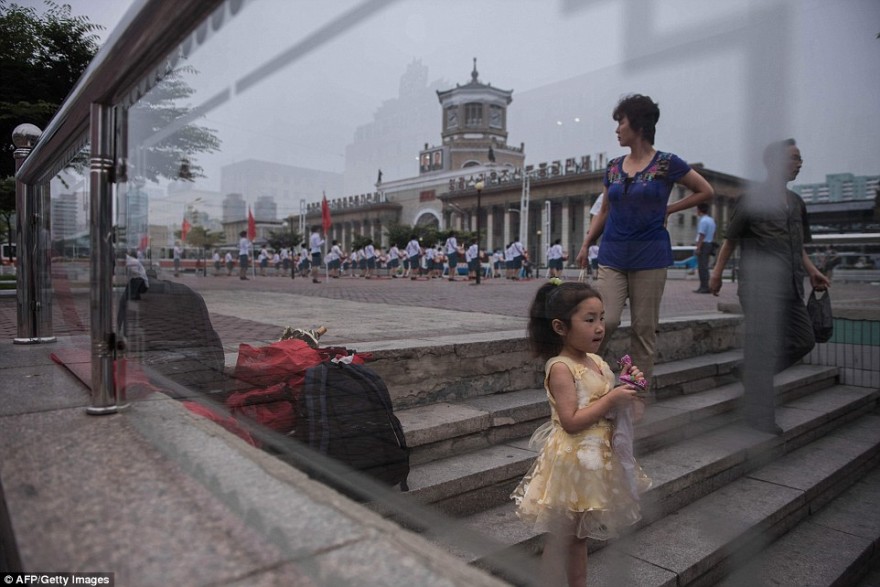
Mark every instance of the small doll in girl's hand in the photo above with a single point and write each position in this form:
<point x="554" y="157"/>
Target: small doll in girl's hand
<point x="628" y="377"/>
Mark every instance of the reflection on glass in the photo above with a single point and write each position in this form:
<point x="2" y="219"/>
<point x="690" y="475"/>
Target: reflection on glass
<point x="271" y="109"/>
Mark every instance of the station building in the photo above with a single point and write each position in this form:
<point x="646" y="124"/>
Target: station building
<point x="537" y="203"/>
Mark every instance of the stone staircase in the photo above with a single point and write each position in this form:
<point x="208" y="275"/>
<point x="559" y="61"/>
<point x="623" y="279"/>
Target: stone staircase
<point x="729" y="504"/>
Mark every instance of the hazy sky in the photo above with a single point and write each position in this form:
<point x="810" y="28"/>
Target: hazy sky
<point x="728" y="75"/>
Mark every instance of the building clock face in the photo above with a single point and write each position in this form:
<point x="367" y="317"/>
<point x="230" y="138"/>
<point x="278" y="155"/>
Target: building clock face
<point x="495" y="117"/>
<point x="452" y="117"/>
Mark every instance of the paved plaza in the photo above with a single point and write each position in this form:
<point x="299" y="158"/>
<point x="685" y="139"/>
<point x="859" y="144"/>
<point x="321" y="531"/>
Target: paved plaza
<point x="359" y="311"/>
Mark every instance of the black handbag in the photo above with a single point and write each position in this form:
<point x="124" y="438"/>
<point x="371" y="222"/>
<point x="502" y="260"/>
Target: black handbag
<point x="819" y="308"/>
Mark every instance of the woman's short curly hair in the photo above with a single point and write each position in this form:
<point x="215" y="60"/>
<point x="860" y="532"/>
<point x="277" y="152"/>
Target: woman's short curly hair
<point x="642" y="113"/>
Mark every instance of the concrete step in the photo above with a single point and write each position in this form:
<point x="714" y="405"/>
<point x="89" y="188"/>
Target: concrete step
<point x="435" y="431"/>
<point x="721" y="498"/>
<point x="832" y="546"/>
<point x="701" y="543"/>
<point x="696" y="467"/>
<point x="695" y="374"/>
<point x="685" y="416"/>
<point x="433" y="370"/>
<point x="477" y="480"/>
<point x="442" y="430"/>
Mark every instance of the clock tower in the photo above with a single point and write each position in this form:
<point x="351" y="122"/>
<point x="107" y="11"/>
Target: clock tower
<point x="474" y="129"/>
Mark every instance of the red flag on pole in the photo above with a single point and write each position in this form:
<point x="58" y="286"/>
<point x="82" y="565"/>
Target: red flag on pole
<point x="184" y="228"/>
<point x="326" y="223"/>
<point x="252" y="226"/>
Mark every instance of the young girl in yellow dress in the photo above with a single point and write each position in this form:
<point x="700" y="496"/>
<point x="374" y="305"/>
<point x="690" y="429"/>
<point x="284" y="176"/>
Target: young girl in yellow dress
<point x="578" y="488"/>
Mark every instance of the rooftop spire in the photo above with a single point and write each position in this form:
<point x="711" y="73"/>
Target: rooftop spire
<point x="474" y="74"/>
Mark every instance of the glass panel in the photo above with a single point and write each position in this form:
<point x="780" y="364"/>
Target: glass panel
<point x="69" y="250"/>
<point x="270" y="109"/>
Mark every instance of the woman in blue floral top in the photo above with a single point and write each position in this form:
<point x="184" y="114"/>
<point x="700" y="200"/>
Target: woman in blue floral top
<point x="636" y="249"/>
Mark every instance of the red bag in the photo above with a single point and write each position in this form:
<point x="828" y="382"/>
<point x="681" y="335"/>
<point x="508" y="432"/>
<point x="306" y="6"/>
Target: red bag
<point x="273" y="407"/>
<point x="275" y="363"/>
<point x="329" y="353"/>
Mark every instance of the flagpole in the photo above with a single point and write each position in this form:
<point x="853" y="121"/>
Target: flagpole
<point x="252" y="236"/>
<point x="325" y="224"/>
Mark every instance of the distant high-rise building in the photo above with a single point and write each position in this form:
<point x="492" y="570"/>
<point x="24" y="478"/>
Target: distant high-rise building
<point x="265" y="209"/>
<point x="840" y="187"/>
<point x="64" y="214"/>
<point x="134" y="215"/>
<point x="396" y="134"/>
<point x="285" y="184"/>
<point x="234" y="208"/>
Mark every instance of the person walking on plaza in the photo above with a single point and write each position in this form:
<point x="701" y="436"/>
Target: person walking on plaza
<point x="508" y="261"/>
<point x="430" y="267"/>
<point x="439" y="261"/>
<point x="139" y="282"/>
<point x="304" y="260"/>
<point x="472" y="258"/>
<point x="393" y="260"/>
<point x="244" y="253"/>
<point x="593" y="261"/>
<point x="217" y="262"/>
<point x="636" y="249"/>
<point x="584" y="484"/>
<point x="769" y="224"/>
<point x="413" y="254"/>
<point x="315" y="244"/>
<point x="554" y="259"/>
<point x="519" y="258"/>
<point x="263" y="258"/>
<point x="285" y="260"/>
<point x="176" y="253"/>
<point x="334" y="259"/>
<point x="497" y="261"/>
<point x="370" y="258"/>
<point x="452" y="254"/>
<point x="230" y="264"/>
<point x="704" y="245"/>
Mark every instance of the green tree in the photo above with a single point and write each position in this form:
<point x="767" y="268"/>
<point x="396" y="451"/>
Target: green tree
<point x="7" y="209"/>
<point x="41" y="58"/>
<point x="199" y="236"/>
<point x="398" y="234"/>
<point x="286" y="238"/>
<point x="358" y="241"/>
<point x="172" y="156"/>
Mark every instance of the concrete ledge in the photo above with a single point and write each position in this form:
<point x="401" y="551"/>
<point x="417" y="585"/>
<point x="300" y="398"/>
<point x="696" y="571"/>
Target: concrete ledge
<point x="419" y="372"/>
<point x="159" y="496"/>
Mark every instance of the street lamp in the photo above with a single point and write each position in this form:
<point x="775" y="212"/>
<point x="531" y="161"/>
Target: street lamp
<point x="189" y="209"/>
<point x="479" y="185"/>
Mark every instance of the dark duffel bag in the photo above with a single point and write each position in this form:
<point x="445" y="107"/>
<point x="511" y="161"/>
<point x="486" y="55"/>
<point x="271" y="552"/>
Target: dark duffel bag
<point x="346" y="413"/>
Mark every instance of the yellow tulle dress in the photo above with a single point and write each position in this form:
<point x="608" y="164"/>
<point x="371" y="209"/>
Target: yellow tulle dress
<point x="577" y="485"/>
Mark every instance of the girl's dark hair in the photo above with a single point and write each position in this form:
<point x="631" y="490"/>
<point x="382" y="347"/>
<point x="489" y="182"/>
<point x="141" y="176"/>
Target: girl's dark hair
<point x="554" y="302"/>
<point x="641" y="112"/>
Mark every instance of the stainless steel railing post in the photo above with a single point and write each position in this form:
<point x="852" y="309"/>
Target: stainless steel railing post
<point x="104" y="398"/>
<point x="33" y="275"/>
